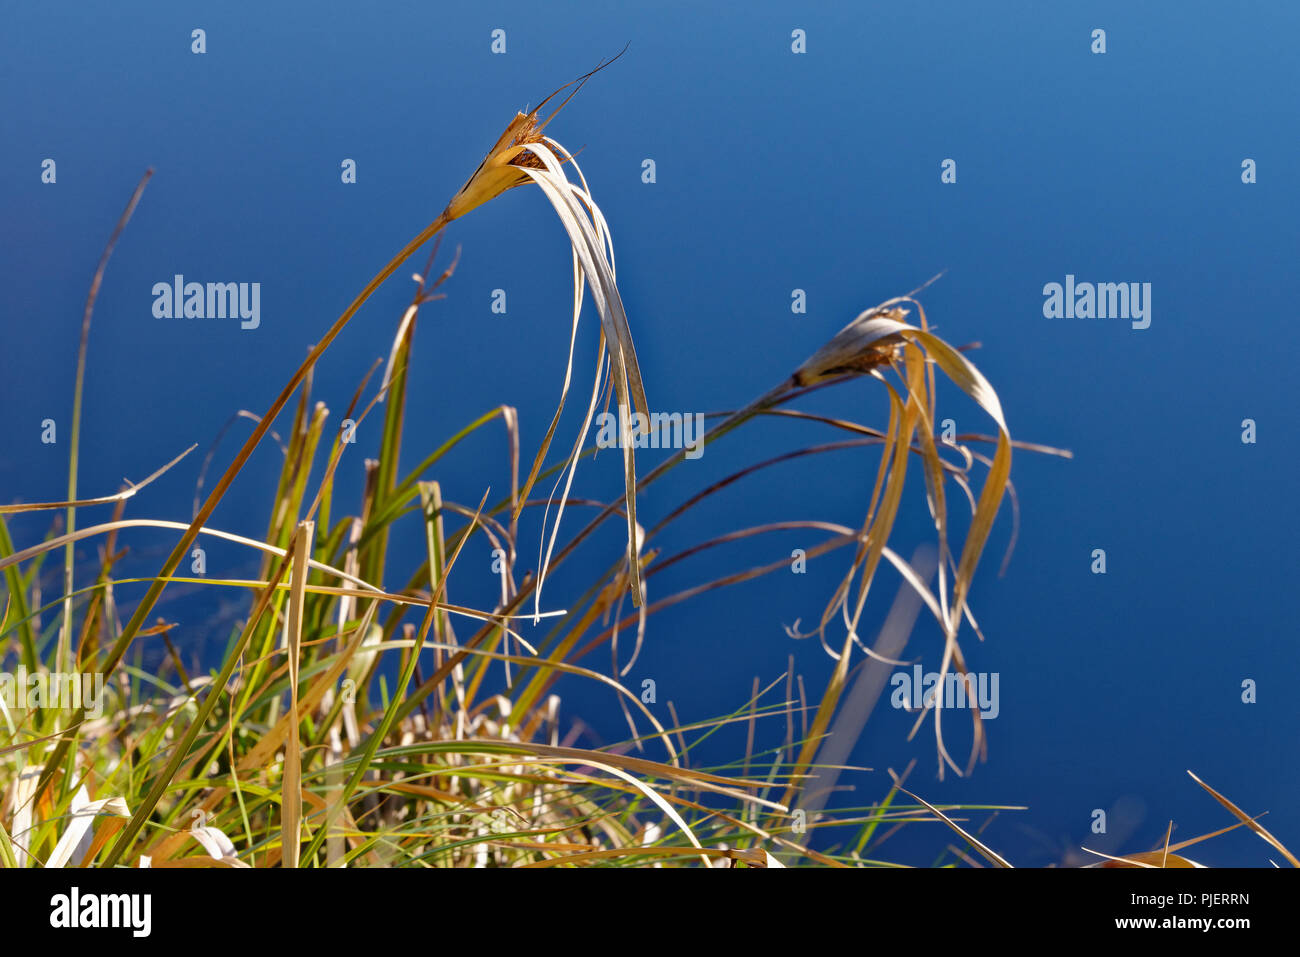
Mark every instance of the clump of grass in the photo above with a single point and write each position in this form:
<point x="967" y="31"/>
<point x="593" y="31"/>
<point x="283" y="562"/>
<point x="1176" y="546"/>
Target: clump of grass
<point x="296" y="751"/>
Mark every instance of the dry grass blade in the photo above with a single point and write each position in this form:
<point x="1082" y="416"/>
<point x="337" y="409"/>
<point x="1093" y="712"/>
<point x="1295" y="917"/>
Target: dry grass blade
<point x="132" y="489"/>
<point x="659" y="802"/>
<point x="991" y="855"/>
<point x="22" y="801"/>
<point x="77" y="836"/>
<point x="291" y="786"/>
<point x="1147" y="859"/>
<point x="593" y="263"/>
<point x="861" y="699"/>
<point x="1249" y="821"/>
<point x="65" y="635"/>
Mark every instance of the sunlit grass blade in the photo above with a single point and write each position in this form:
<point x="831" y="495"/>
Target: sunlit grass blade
<point x="1249" y="821"/>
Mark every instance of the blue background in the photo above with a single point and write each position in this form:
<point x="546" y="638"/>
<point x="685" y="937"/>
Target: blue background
<point x="775" y="171"/>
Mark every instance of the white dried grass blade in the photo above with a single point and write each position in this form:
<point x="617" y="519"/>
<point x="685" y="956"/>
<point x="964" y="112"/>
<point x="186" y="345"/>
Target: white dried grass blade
<point x="76" y="839"/>
<point x="214" y="841"/>
<point x="545" y="445"/>
<point x="592" y="223"/>
<point x="566" y="475"/>
<point x="407" y="318"/>
<point x="654" y="796"/>
<point x="8" y="718"/>
<point x="588" y="237"/>
<point x="24" y="795"/>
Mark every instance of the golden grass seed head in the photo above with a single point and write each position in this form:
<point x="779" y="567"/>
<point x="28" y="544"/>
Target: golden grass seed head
<point x="870" y="340"/>
<point x="499" y="170"/>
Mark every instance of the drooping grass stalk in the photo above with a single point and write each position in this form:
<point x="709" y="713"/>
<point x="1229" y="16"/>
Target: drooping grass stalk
<point x="499" y="172"/>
